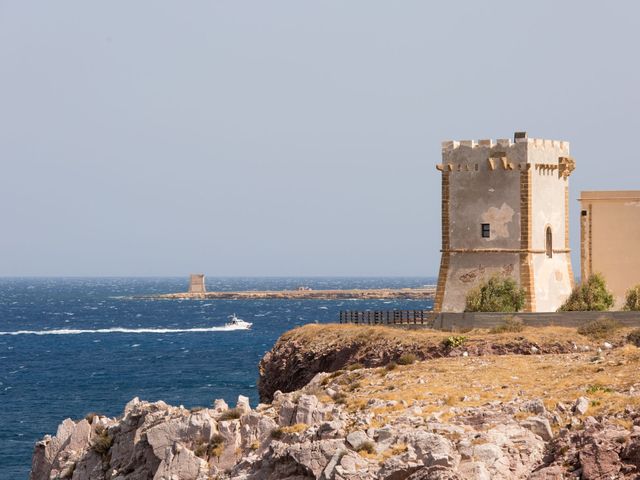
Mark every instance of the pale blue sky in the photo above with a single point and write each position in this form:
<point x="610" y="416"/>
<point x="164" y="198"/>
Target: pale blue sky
<point x="287" y="137"/>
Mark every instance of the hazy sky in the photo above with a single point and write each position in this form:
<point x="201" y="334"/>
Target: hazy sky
<point x="287" y="137"/>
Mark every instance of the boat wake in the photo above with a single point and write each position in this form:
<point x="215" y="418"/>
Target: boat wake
<point x="67" y="331"/>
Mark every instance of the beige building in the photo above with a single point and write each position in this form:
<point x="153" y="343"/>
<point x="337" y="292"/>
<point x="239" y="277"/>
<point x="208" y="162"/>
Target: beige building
<point x="505" y="211"/>
<point x="610" y="238"/>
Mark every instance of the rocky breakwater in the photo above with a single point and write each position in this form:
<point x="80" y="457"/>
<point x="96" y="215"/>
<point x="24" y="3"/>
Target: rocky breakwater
<point x="531" y="416"/>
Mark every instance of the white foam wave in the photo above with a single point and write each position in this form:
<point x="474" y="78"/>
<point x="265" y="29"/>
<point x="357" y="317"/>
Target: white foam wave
<point x="68" y="331"/>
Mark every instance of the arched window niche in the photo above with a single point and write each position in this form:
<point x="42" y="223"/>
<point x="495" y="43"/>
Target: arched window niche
<point x="549" y="242"/>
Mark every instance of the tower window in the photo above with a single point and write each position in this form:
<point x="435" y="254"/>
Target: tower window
<point x="549" y="242"/>
<point x="486" y="230"/>
<point x="584" y="213"/>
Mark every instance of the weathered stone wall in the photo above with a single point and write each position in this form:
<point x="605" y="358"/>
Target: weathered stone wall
<point x="481" y="190"/>
<point x="520" y="188"/>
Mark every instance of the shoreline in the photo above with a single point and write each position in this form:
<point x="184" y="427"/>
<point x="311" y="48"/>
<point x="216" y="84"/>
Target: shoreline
<point x="306" y="294"/>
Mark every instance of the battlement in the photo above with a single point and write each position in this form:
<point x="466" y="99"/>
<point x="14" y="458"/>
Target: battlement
<point x="519" y="137"/>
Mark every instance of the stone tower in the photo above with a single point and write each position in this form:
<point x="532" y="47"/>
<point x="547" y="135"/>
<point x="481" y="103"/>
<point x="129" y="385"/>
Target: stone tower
<point x="196" y="283"/>
<point x="505" y="211"/>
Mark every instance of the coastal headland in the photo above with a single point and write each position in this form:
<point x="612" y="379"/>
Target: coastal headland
<point x="357" y="402"/>
<point x="427" y="292"/>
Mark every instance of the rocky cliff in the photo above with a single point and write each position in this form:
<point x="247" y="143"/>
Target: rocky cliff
<point x="302" y="353"/>
<point x="534" y="416"/>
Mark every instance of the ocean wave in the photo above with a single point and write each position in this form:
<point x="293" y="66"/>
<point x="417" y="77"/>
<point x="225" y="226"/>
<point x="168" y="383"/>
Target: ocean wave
<point x="68" y="331"/>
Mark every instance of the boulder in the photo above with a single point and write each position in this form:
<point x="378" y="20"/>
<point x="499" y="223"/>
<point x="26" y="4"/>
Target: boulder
<point x="581" y="406"/>
<point x="432" y="449"/>
<point x="540" y="426"/>
<point x="357" y="438"/>
<point x="306" y="411"/>
<point x="180" y="463"/>
<point x="243" y="404"/>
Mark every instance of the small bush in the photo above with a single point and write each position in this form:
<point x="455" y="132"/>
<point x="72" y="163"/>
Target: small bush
<point x="355" y="366"/>
<point x="496" y="295"/>
<point x="632" y="300"/>
<point x="591" y="389"/>
<point x="589" y="296"/>
<point x="399" y="448"/>
<point x="391" y="366"/>
<point x="201" y="450"/>
<point x="600" y="328"/>
<point x="367" y="447"/>
<point x="340" y="398"/>
<point x="634" y="337"/>
<point x="102" y="441"/>
<point x="354" y="386"/>
<point x="216" y="446"/>
<point x="406" y="359"/>
<point x="454" y="341"/>
<point x="510" y="325"/>
<point x="277" y="433"/>
<point x="231" y="414"/>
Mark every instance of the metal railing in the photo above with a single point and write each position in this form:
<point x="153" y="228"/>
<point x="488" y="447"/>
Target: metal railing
<point x="386" y="317"/>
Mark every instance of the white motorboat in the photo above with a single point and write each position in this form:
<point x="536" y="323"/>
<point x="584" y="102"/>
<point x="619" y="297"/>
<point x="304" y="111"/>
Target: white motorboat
<point x="238" y="323"/>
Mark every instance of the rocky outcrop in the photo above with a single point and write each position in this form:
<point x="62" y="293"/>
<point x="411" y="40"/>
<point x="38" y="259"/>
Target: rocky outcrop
<point x="299" y="355"/>
<point x="466" y="415"/>
<point x="300" y="437"/>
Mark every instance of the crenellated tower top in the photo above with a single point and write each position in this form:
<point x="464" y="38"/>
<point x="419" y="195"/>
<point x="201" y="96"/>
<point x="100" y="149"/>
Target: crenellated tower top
<point x="517" y="154"/>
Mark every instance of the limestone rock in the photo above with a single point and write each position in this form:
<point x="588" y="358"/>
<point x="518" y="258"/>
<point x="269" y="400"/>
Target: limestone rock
<point x="540" y="426"/>
<point x="243" y="404"/>
<point x="357" y="438"/>
<point x="581" y="406"/>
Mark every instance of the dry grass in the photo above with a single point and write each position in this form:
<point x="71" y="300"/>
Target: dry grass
<point x="326" y="336"/>
<point x="605" y="379"/>
<point x="296" y="428"/>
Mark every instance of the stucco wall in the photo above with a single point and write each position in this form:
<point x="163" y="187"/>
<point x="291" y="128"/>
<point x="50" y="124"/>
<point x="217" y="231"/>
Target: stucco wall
<point x="552" y="276"/>
<point x="615" y="238"/>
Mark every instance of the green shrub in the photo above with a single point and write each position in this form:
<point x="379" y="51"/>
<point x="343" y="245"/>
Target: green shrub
<point x="391" y="366"/>
<point x="496" y="295"/>
<point x="634" y="337"/>
<point x="589" y="296"/>
<point x="102" y="441"/>
<point x="510" y="325"/>
<point x="632" y="300"/>
<point x="600" y="328"/>
<point x="406" y="359"/>
<point x="231" y="414"/>
<point x="596" y="388"/>
<point x="454" y="341"/>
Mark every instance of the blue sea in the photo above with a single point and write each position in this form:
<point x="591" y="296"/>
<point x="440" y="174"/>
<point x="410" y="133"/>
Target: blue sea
<point x="69" y="346"/>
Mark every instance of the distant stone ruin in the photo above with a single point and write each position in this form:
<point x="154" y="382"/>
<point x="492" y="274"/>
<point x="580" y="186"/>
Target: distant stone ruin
<point x="196" y="283"/>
